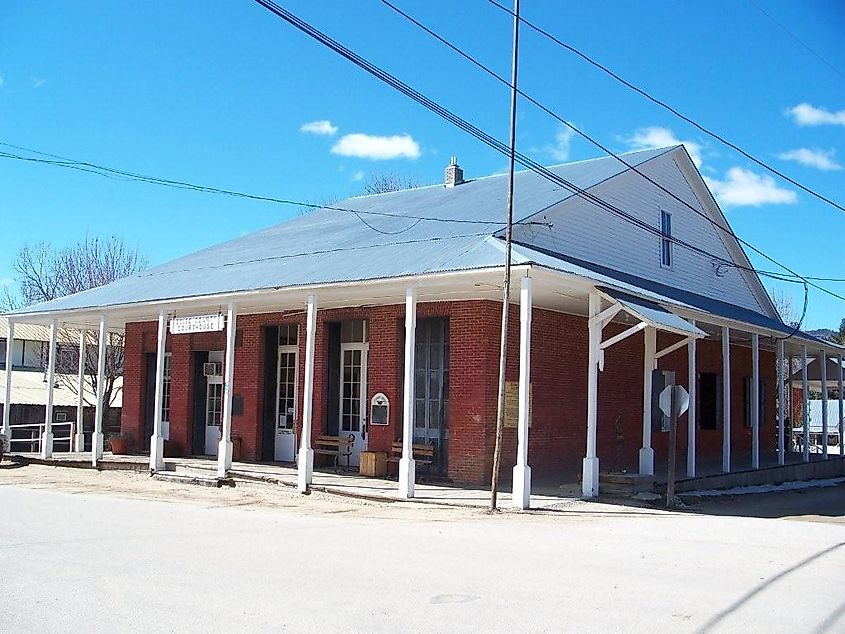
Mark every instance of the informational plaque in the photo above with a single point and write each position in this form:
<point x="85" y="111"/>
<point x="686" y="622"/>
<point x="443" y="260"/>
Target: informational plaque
<point x="512" y="403"/>
<point x="197" y="323"/>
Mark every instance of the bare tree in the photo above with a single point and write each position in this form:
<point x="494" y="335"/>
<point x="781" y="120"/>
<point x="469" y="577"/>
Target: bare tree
<point x="388" y="182"/>
<point x="43" y="273"/>
<point x="786" y="309"/>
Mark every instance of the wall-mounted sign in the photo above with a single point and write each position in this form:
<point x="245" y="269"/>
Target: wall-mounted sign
<point x="512" y="403"/>
<point x="197" y="323"/>
<point x="379" y="410"/>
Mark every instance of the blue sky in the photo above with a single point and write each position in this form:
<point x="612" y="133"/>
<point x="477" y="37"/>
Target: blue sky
<point x="221" y="97"/>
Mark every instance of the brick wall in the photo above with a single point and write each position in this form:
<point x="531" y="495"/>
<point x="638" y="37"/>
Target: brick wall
<point x="559" y="369"/>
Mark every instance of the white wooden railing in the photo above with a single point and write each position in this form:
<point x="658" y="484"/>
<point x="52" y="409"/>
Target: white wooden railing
<point x="37" y="433"/>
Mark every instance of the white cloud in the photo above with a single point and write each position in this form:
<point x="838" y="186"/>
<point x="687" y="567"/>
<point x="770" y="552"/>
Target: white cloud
<point x="743" y="188"/>
<point x="657" y="137"/>
<point x="377" y="148"/>
<point x="323" y="127"/>
<point x="358" y="176"/>
<point x="6" y="281"/>
<point x="820" y="159"/>
<point x="2" y="80"/>
<point x="806" y="114"/>
<point x="563" y="143"/>
<point x="37" y="82"/>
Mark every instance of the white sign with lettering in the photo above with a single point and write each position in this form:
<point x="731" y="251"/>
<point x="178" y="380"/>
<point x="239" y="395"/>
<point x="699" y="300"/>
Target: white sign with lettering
<point x="197" y="323"/>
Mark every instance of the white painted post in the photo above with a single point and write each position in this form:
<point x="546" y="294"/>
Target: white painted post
<point x="726" y="399"/>
<point x="805" y="404"/>
<point x="755" y="400"/>
<point x="522" y="471"/>
<point x="99" y="406"/>
<point x="841" y="408"/>
<point x="590" y="468"/>
<point x="649" y="363"/>
<point x="823" y="359"/>
<point x="224" y="449"/>
<point x="782" y="375"/>
<point x="157" y="440"/>
<point x="79" y="441"/>
<point x="791" y="439"/>
<point x="47" y="435"/>
<point x="305" y="456"/>
<point x="407" y="464"/>
<point x="692" y="412"/>
<point x="7" y="401"/>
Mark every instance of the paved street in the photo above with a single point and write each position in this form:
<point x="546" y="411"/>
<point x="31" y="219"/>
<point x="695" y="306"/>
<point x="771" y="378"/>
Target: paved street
<point x="111" y="552"/>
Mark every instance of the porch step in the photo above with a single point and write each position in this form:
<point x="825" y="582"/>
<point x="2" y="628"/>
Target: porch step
<point x="193" y="478"/>
<point x="625" y="484"/>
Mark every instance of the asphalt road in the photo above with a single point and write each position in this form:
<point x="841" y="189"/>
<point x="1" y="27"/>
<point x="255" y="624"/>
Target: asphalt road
<point x="106" y="562"/>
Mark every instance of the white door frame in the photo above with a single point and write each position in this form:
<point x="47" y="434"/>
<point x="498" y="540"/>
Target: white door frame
<point x="361" y="435"/>
<point x="215" y="356"/>
<point x="282" y="449"/>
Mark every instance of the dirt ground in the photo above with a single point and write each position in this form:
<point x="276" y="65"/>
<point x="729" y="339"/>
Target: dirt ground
<point x="826" y="505"/>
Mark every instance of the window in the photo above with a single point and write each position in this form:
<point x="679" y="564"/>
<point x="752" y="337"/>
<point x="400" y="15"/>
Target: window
<point x="34" y="354"/>
<point x="165" y="401"/>
<point x="286" y="377"/>
<point x="710" y="400"/>
<point x="747" y="385"/>
<point x="665" y="238"/>
<point x="354" y="331"/>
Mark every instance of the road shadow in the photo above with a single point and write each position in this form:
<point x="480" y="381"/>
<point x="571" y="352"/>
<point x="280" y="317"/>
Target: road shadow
<point x="816" y="502"/>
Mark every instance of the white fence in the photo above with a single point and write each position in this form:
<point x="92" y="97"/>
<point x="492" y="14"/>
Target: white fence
<point x="36" y="434"/>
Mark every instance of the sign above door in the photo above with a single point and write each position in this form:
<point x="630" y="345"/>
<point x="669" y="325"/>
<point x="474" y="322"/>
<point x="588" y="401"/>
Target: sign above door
<point x="197" y="323"/>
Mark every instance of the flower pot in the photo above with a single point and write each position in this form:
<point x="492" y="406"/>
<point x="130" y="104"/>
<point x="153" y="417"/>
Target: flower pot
<point x="119" y="445"/>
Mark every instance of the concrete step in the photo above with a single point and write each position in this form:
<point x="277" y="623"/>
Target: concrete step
<point x="625" y="484"/>
<point x="198" y="479"/>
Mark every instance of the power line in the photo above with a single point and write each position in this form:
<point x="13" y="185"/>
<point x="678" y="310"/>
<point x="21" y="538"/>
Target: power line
<point x="673" y="110"/>
<point x="619" y="158"/>
<point x="110" y="172"/>
<point x="783" y="28"/>
<point x="479" y="134"/>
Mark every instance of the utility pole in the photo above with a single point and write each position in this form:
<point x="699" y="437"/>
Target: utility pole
<point x="506" y="293"/>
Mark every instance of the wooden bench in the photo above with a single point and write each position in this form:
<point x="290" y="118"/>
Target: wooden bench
<point x="335" y="446"/>
<point x="423" y="453"/>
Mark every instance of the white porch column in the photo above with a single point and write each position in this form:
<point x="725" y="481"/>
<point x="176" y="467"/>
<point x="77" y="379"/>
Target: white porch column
<point x="100" y="406"/>
<point x="692" y="415"/>
<point x="805" y="405"/>
<point x="649" y="363"/>
<point x="79" y="440"/>
<point x="782" y="377"/>
<point x="407" y="464"/>
<point x="522" y="472"/>
<point x="305" y="456"/>
<point x="755" y="400"/>
<point x="590" y="468"/>
<point x="823" y="359"/>
<point x="841" y="408"/>
<point x="7" y="401"/>
<point x="224" y="449"/>
<point x="156" y="440"/>
<point x="726" y="399"/>
<point x="47" y="436"/>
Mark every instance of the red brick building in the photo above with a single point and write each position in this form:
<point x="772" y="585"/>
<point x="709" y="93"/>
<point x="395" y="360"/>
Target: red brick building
<point x="378" y="320"/>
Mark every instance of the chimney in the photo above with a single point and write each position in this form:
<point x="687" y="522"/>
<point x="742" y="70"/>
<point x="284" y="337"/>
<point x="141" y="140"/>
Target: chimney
<point x="454" y="174"/>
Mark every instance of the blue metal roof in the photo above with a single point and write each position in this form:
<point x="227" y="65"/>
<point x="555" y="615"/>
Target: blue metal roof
<point x="328" y="246"/>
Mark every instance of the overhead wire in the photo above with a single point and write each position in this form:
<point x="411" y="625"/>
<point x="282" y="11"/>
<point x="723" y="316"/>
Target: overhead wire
<point x="110" y="172"/>
<point x="443" y="112"/>
<point x="671" y="109"/>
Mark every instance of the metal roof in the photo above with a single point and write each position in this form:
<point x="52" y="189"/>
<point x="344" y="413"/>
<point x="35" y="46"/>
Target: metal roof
<point x="30" y="388"/>
<point x="329" y="246"/>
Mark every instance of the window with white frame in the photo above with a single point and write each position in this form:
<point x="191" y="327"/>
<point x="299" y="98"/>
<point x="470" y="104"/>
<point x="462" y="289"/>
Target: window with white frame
<point x="665" y="238"/>
<point x="286" y="379"/>
<point x="165" y="401"/>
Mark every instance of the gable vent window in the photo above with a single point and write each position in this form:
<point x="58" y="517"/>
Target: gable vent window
<point x="665" y="238"/>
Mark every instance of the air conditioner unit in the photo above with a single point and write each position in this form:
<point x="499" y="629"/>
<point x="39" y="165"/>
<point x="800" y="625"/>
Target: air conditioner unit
<point x="212" y="369"/>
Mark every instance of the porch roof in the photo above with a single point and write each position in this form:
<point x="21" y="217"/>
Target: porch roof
<point x="653" y="314"/>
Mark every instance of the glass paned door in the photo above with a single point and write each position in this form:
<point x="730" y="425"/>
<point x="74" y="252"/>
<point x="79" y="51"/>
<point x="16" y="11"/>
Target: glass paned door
<point x="214" y="406"/>
<point x="286" y="391"/>
<point x="353" y="397"/>
<point x="431" y="387"/>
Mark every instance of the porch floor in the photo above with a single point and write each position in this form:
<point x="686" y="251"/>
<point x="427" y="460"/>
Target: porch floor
<point x="338" y="482"/>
